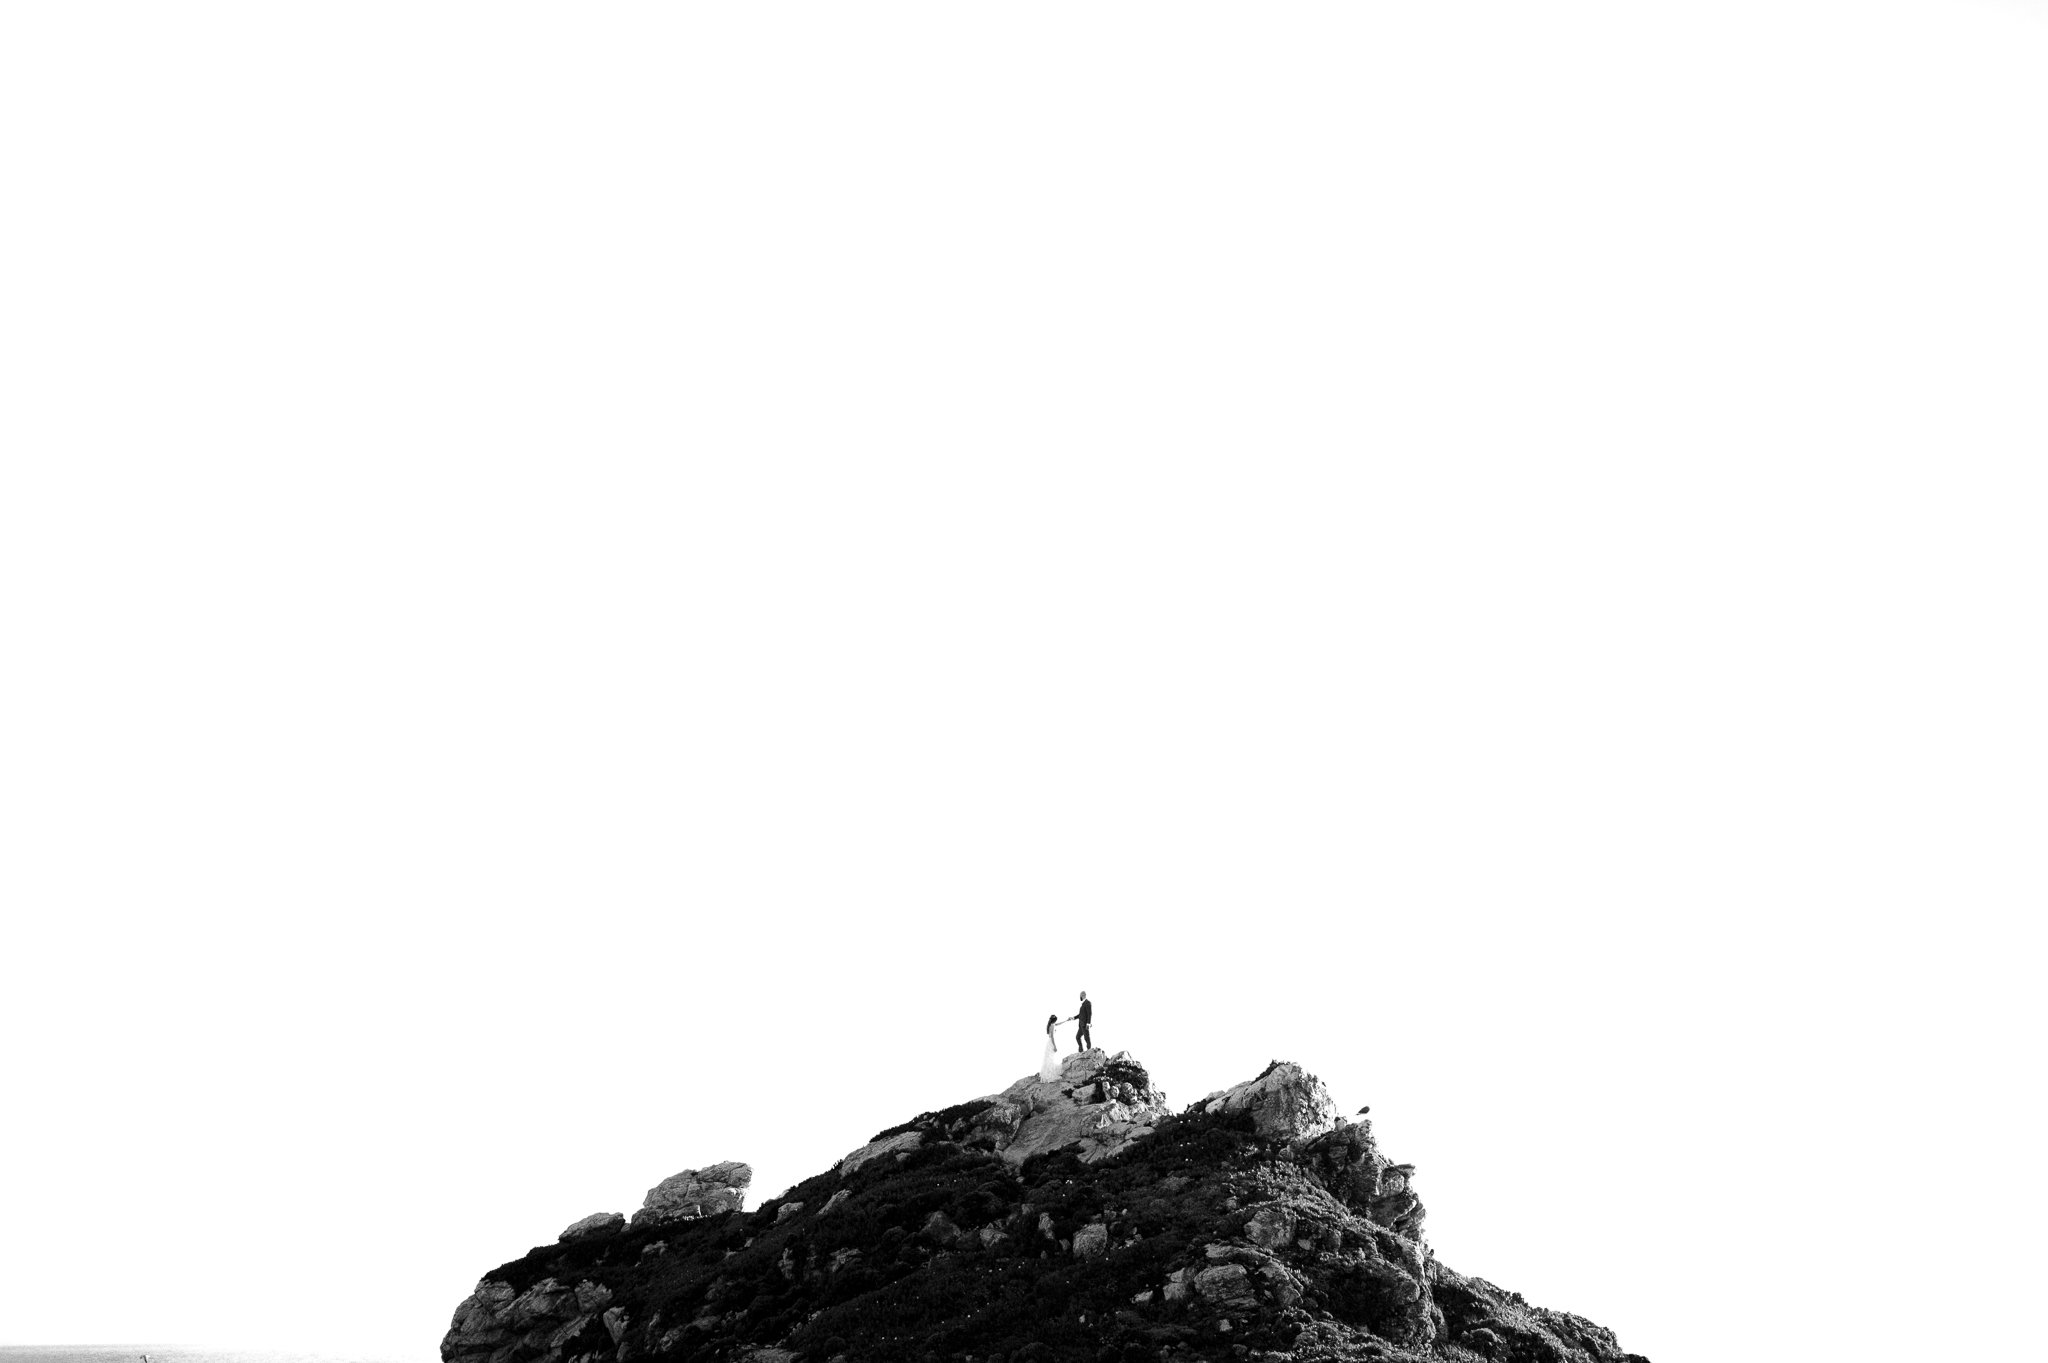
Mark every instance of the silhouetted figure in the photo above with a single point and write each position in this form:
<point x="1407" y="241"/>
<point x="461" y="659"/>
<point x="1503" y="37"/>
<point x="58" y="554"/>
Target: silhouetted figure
<point x="1082" y="1039"/>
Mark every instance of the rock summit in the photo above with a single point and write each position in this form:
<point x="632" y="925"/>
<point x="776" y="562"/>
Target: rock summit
<point x="1079" y="1220"/>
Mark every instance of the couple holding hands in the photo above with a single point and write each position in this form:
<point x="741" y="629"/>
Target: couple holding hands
<point x="1049" y="1068"/>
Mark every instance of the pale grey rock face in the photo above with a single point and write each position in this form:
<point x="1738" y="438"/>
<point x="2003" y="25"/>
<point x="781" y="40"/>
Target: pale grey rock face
<point x="1226" y="1285"/>
<point x="1100" y="1103"/>
<point x="1271" y="1275"/>
<point x="495" y="1322"/>
<point x="479" y="1321"/>
<point x="787" y="1210"/>
<point x="565" y="1332"/>
<point x="1285" y="1287"/>
<point x="1349" y="1162"/>
<point x="697" y="1192"/>
<point x="873" y="1150"/>
<point x="545" y="1300"/>
<point x="1091" y="1240"/>
<point x="1097" y="1105"/>
<point x="596" y="1224"/>
<point x="1270" y="1227"/>
<point x="1286" y="1103"/>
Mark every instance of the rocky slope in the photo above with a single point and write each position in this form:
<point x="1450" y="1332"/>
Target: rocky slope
<point x="1079" y="1219"/>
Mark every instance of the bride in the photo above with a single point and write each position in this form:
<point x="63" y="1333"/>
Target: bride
<point x="1049" y="1068"/>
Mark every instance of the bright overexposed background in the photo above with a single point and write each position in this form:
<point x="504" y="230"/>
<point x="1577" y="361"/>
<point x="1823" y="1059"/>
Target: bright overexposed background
<point x="586" y="590"/>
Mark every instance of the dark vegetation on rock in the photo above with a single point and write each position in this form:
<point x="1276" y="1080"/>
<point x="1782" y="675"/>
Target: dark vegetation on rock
<point x="946" y="1123"/>
<point x="1212" y="1235"/>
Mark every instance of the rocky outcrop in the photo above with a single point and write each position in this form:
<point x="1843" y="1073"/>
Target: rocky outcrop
<point x="496" y="1321"/>
<point x="894" y="1143"/>
<point x="696" y="1193"/>
<point x="1067" y="1221"/>
<point x="1285" y="1103"/>
<point x="1348" y="1161"/>
<point x="1098" y="1106"/>
<point x="597" y="1223"/>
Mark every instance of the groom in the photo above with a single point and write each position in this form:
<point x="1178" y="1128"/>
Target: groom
<point x="1082" y="1040"/>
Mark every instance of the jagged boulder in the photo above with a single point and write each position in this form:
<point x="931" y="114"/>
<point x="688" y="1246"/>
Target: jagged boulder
<point x="696" y="1193"/>
<point x="1271" y="1227"/>
<point x="1228" y="1286"/>
<point x="1348" y="1161"/>
<point x="497" y="1321"/>
<point x="1286" y="1103"/>
<point x="597" y="1223"/>
<point x="481" y="1322"/>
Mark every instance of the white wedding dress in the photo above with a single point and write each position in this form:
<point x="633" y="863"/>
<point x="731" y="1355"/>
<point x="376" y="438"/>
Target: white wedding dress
<point x="1049" y="1068"/>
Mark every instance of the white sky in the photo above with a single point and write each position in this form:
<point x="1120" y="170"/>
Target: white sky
<point x="587" y="591"/>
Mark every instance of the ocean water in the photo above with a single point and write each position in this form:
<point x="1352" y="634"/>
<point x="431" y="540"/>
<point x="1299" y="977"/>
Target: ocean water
<point x="170" y="1353"/>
